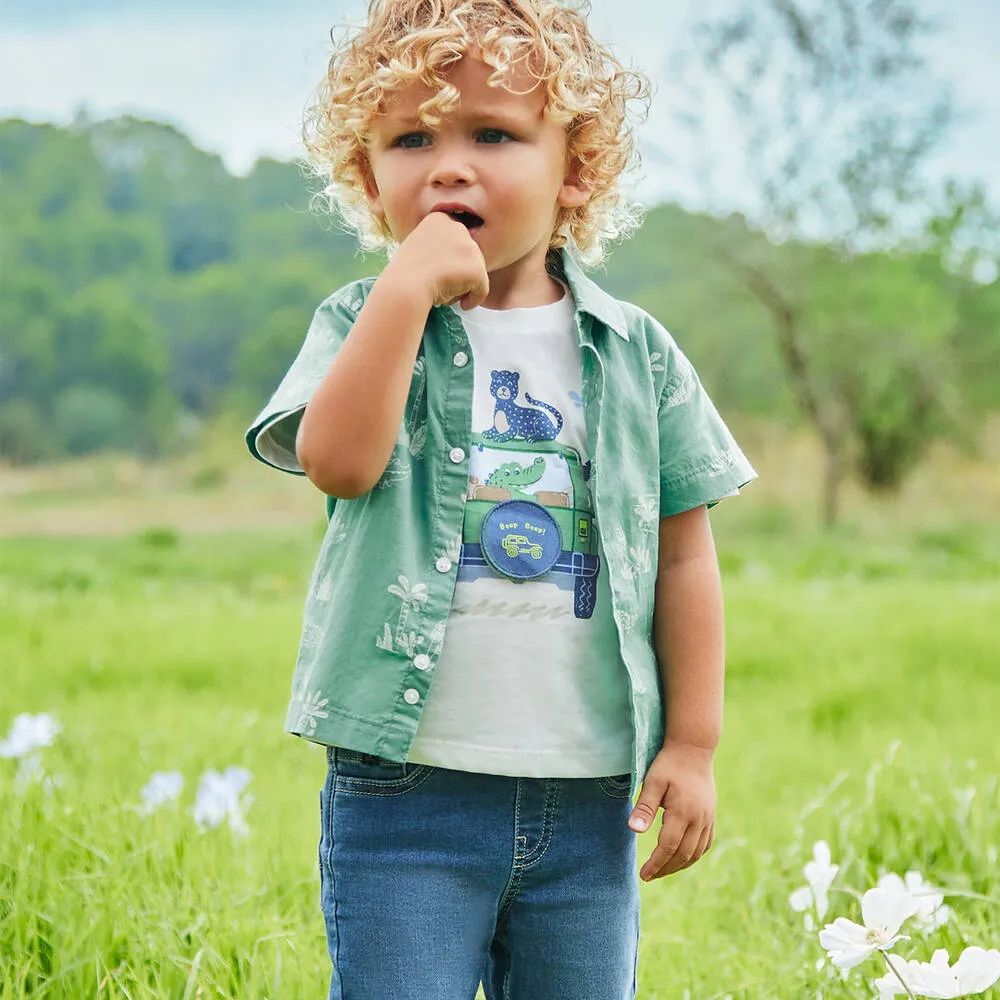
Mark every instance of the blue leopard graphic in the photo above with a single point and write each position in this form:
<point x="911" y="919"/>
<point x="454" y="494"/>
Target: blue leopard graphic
<point x="512" y="421"/>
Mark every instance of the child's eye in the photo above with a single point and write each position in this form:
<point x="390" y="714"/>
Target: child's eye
<point x="404" y="140"/>
<point x="495" y="136"/>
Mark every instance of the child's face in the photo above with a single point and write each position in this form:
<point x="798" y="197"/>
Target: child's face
<point x="496" y="154"/>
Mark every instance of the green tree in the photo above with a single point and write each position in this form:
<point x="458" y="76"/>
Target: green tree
<point x="264" y="357"/>
<point x="882" y="331"/>
<point x="837" y="160"/>
<point x="88" y="418"/>
<point x="107" y="340"/>
<point x="30" y="314"/>
<point x="26" y="436"/>
<point x="978" y="345"/>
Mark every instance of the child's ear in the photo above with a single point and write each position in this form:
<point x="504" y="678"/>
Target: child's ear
<point x="573" y="192"/>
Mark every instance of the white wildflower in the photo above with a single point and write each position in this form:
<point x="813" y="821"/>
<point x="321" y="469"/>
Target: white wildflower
<point x="883" y="911"/>
<point x="220" y="798"/>
<point x="802" y="901"/>
<point x="29" y="733"/>
<point x="819" y="874"/>
<point x="162" y="787"/>
<point x="930" y="911"/>
<point x="975" y="971"/>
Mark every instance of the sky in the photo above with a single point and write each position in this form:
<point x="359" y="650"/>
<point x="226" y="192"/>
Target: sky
<point x="236" y="75"/>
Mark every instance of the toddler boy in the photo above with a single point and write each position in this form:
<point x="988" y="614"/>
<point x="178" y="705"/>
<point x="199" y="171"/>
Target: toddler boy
<point x="515" y="622"/>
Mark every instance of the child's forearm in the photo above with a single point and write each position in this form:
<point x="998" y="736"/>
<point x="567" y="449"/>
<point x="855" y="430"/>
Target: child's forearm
<point x="351" y="424"/>
<point x="688" y="630"/>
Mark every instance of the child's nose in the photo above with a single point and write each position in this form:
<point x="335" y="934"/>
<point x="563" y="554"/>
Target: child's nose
<point x="451" y="166"/>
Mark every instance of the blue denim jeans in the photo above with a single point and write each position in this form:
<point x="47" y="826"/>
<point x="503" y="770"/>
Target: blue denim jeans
<point x="434" y="880"/>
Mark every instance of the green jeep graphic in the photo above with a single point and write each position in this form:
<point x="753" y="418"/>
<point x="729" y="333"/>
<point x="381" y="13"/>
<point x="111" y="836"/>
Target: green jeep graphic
<point x="516" y="544"/>
<point x="552" y="476"/>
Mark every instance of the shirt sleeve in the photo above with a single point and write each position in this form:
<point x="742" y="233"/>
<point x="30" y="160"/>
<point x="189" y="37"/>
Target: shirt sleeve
<point x="271" y="437"/>
<point x="700" y="462"/>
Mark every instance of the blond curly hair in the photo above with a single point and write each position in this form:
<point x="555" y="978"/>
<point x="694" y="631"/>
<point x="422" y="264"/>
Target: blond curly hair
<point x="586" y="89"/>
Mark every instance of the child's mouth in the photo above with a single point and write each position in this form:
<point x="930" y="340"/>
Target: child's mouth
<point x="470" y="220"/>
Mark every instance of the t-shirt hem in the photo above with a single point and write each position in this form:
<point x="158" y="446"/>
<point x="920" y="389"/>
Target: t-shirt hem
<point x="564" y="762"/>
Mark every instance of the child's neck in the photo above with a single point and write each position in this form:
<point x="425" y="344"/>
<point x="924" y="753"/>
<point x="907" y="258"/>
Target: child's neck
<point x="521" y="291"/>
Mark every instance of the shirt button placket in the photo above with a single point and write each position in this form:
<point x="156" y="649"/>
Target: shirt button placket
<point x="443" y="564"/>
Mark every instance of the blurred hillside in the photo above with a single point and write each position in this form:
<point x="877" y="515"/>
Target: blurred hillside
<point x="144" y="291"/>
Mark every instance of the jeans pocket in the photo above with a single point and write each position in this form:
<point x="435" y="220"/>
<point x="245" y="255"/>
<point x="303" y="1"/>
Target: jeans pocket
<point x="616" y="786"/>
<point x="369" y="774"/>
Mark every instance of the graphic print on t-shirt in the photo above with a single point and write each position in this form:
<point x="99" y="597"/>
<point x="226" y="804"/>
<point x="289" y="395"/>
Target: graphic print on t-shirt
<point x="511" y="421"/>
<point x="538" y="491"/>
<point x="529" y="679"/>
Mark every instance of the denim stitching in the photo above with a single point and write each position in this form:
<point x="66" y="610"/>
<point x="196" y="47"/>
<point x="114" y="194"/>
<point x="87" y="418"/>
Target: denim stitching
<point x="519" y="838"/>
<point x="385" y="789"/>
<point x="552" y="789"/>
<point x="613" y="791"/>
<point x="513" y="880"/>
<point x="635" y="965"/>
<point x="328" y="830"/>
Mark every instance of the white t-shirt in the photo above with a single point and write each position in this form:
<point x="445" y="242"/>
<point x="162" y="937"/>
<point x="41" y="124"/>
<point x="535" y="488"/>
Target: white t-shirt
<point x="522" y="686"/>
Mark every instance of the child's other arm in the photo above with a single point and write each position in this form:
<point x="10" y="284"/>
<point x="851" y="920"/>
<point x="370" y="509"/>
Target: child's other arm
<point x="349" y="428"/>
<point x="688" y="634"/>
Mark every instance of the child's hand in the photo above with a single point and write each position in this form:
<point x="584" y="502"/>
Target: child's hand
<point x="444" y="260"/>
<point x="680" y="779"/>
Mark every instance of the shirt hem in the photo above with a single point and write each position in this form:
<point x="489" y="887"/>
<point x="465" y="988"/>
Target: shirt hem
<point x="351" y="732"/>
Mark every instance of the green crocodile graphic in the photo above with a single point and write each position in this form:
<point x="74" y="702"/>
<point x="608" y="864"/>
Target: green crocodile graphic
<point x="513" y="475"/>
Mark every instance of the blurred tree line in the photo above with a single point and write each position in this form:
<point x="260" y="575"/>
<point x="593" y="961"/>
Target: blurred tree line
<point x="142" y="285"/>
<point x="143" y="289"/>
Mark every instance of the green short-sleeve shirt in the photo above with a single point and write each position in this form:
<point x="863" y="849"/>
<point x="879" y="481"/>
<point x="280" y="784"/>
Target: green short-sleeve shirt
<point x="378" y="604"/>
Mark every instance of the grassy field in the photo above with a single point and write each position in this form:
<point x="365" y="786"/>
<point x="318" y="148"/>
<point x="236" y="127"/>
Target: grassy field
<point x="862" y="708"/>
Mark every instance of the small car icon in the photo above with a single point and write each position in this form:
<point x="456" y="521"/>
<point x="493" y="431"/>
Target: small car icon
<point x="516" y="544"/>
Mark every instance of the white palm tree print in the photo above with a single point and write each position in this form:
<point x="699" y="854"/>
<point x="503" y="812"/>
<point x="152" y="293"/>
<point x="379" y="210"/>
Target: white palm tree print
<point x="409" y="595"/>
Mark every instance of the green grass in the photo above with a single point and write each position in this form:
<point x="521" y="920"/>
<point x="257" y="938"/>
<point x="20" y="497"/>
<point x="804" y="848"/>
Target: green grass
<point x="173" y="651"/>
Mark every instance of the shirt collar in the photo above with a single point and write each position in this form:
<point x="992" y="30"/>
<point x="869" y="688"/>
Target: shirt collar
<point x="590" y="297"/>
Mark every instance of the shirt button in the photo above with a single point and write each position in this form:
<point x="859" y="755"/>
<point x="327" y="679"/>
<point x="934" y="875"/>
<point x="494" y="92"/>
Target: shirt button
<point x="457" y="455"/>
<point x="461" y="359"/>
<point x="422" y="662"/>
<point x="411" y="696"/>
<point x="443" y="564"/>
